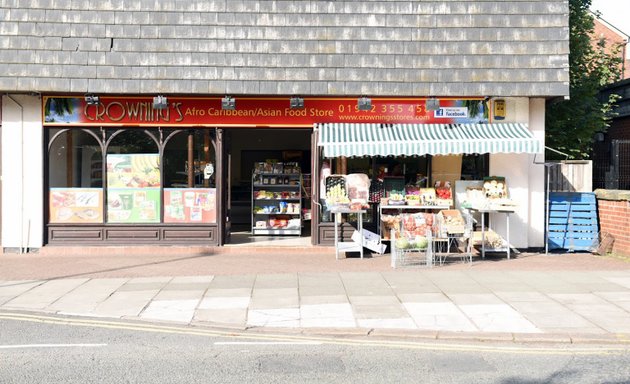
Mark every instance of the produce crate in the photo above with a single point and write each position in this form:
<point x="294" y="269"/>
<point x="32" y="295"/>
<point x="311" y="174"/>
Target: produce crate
<point x="452" y="221"/>
<point x="443" y="193"/>
<point x="495" y="187"/>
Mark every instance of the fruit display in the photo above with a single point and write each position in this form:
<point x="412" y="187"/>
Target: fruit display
<point x="417" y="242"/>
<point x="427" y="196"/>
<point x="451" y="221"/>
<point x="412" y="199"/>
<point x="396" y="199"/>
<point x="389" y="223"/>
<point x="337" y="195"/>
<point x="494" y="187"/>
<point x="443" y="193"/>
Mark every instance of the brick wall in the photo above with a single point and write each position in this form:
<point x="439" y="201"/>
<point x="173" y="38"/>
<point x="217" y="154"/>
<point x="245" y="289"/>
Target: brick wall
<point x="614" y="218"/>
<point x="603" y="31"/>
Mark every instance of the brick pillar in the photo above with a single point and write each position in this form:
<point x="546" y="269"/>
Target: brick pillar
<point x="613" y="208"/>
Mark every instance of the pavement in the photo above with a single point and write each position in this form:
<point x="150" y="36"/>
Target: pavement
<point x="569" y="297"/>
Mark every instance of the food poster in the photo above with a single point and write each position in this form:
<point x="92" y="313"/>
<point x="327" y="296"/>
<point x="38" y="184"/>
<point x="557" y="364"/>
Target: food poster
<point x="190" y="205"/>
<point x="133" y="205"/>
<point x="133" y="171"/>
<point x="76" y="205"/>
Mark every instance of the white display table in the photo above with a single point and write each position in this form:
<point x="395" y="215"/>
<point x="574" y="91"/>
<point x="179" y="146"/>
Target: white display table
<point x="347" y="246"/>
<point x="507" y="211"/>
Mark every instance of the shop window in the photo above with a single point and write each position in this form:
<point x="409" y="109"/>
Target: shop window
<point x="75" y="176"/>
<point x="133" y="177"/>
<point x="475" y="166"/>
<point x="189" y="193"/>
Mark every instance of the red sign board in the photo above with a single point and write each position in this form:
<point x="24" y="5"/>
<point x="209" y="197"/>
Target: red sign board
<point x="251" y="111"/>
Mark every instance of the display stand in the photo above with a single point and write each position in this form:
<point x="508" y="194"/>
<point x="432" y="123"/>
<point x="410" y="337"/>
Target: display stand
<point x="412" y="256"/>
<point x="276" y="204"/>
<point x="403" y="208"/>
<point x="347" y="246"/>
<point x="507" y="213"/>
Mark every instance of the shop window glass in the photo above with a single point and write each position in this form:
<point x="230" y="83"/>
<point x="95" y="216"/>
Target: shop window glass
<point x="75" y="177"/>
<point x="189" y="197"/>
<point x="133" y="178"/>
<point x="475" y="166"/>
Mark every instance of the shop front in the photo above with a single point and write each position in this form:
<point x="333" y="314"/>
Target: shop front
<point x="434" y="165"/>
<point x="125" y="170"/>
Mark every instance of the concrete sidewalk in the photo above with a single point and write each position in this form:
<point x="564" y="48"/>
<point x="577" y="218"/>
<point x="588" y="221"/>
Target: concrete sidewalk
<point x="569" y="296"/>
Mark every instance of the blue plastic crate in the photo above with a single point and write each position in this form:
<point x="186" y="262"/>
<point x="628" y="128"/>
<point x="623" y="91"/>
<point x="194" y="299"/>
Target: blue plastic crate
<point x="573" y="221"/>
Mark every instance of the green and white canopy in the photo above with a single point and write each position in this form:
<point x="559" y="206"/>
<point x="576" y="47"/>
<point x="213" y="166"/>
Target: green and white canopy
<point x="341" y="139"/>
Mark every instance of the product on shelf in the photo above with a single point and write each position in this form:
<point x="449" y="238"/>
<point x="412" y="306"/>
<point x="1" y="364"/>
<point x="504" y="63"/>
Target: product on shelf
<point x="279" y="199"/>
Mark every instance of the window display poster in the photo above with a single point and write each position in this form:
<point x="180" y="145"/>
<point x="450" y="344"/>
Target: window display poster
<point x="133" y="170"/>
<point x="76" y="205"/>
<point x="133" y="205"/>
<point x="190" y="205"/>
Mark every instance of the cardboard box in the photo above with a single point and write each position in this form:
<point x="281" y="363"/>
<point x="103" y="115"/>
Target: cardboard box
<point x="369" y="240"/>
<point x="453" y="221"/>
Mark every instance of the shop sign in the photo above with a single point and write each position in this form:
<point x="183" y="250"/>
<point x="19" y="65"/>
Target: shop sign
<point x="251" y="111"/>
<point x="451" y="112"/>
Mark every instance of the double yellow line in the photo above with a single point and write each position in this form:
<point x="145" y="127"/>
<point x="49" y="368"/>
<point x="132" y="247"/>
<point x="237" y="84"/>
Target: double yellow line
<point x="565" y="349"/>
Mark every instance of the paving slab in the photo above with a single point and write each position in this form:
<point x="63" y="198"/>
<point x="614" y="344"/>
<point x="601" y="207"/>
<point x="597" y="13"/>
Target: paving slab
<point x="474" y="298"/>
<point x="458" y="282"/>
<point x="623" y="281"/>
<point x="409" y="282"/>
<point x="228" y="292"/>
<point x="274" y="317"/>
<point x="170" y="310"/>
<point x="365" y="284"/>
<point x="145" y="284"/>
<point x="423" y="298"/>
<point x="11" y="289"/>
<point x="512" y="296"/>
<point x="327" y="316"/>
<point x="276" y="281"/>
<point x="550" y="316"/>
<point x="236" y="317"/>
<point x="386" y="323"/>
<point x="439" y="317"/>
<point x="85" y="298"/>
<point x="498" y="318"/>
<point x="320" y="284"/>
<point x="233" y="281"/>
<point x="275" y="298"/>
<point x="226" y="302"/>
<point x="589" y="281"/>
<point x="45" y="294"/>
<point x="125" y="303"/>
<point x="325" y="299"/>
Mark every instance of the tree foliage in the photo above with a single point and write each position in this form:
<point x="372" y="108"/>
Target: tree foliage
<point x="571" y="124"/>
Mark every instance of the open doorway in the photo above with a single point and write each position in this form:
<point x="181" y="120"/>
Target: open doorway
<point x="270" y="187"/>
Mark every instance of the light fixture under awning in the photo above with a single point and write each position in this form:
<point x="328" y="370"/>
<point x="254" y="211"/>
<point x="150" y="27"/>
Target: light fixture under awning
<point x="342" y="139"/>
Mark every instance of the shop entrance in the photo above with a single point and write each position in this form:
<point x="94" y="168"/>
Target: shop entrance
<point x="269" y="186"/>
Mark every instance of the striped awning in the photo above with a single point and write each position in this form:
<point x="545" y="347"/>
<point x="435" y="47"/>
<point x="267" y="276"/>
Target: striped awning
<point x="341" y="139"/>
